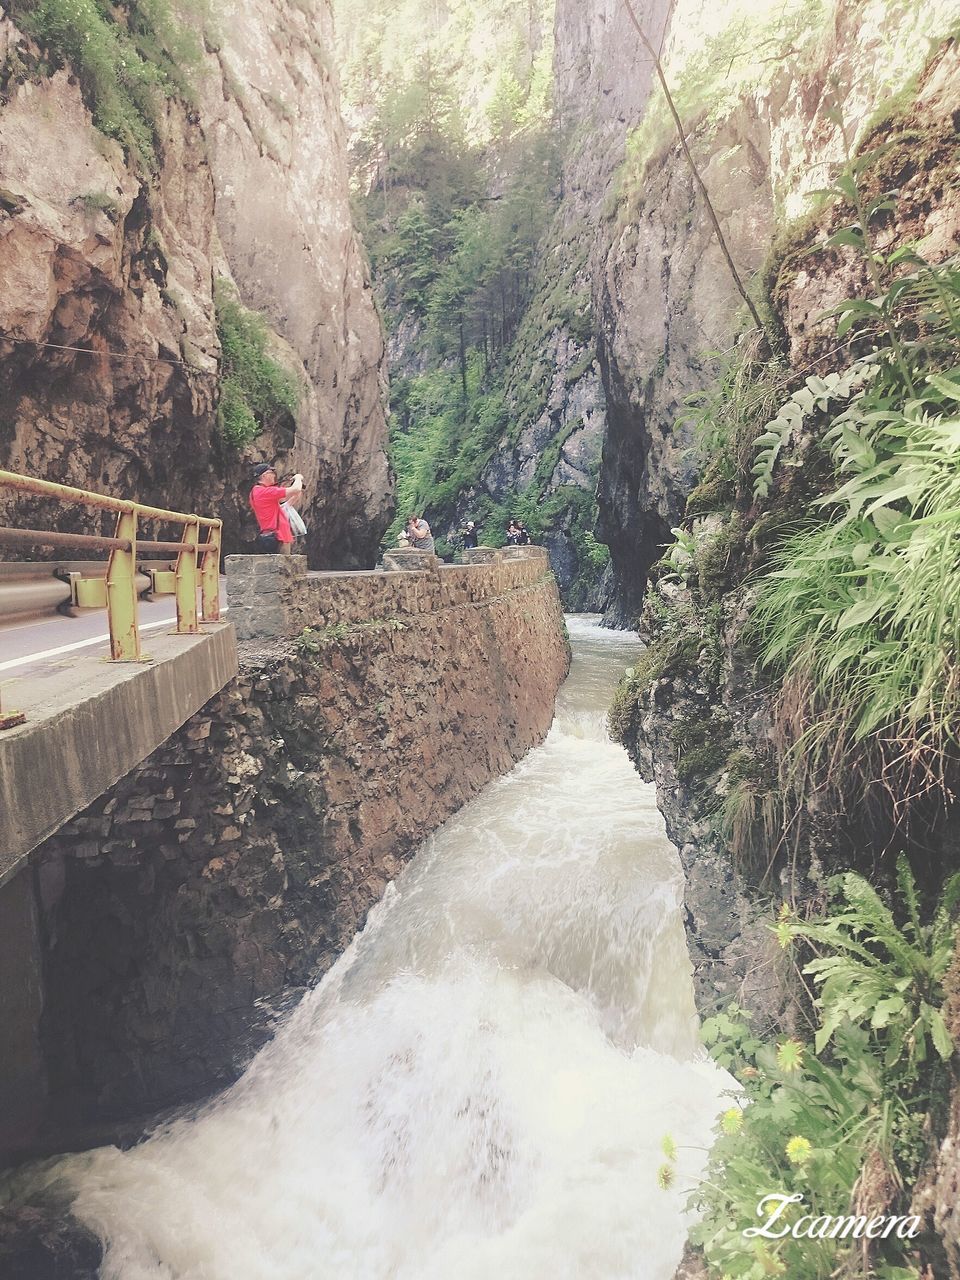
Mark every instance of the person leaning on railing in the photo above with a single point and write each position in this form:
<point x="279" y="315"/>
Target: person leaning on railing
<point x="265" y="499"/>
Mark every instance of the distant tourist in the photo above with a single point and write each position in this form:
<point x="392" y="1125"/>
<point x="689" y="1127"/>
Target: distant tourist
<point x="523" y="537"/>
<point x="513" y="533"/>
<point x="469" y="535"/>
<point x="266" y="497"/>
<point x="418" y="531"/>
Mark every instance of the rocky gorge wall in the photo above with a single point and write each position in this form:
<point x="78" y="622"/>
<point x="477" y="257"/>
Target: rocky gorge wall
<point x="696" y="714"/>
<point x="762" y="133"/>
<point x="191" y="905"/>
<point x="668" y="318"/>
<point x="122" y="257"/>
<point x="768" y="788"/>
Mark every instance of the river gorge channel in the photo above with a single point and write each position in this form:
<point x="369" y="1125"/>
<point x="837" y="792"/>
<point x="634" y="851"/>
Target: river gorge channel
<point x="481" y="1085"/>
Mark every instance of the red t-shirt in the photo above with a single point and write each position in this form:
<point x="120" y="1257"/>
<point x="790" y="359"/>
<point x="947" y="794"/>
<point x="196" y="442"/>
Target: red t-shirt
<point x="265" y="501"/>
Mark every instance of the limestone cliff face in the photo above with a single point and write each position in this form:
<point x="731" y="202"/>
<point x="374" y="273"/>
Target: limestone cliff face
<point x="250" y="185"/>
<point x="603" y="82"/>
<point x="704" y="711"/>
<point x="556" y="445"/>
<point x="665" y="300"/>
<point x="271" y="113"/>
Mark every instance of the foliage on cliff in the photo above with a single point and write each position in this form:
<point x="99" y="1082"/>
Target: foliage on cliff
<point x="799" y="695"/>
<point x="455" y="163"/>
<point x="128" y="57"/>
<point x="856" y="608"/>
<point x="839" y="1122"/>
<point x="255" y="391"/>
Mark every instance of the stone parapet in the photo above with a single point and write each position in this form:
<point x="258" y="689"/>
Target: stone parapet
<point x="406" y="558"/>
<point x="263" y="591"/>
<point x="273" y="597"/>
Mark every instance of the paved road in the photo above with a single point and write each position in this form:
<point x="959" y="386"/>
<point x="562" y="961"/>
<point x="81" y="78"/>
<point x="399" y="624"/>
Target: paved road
<point x="26" y="646"/>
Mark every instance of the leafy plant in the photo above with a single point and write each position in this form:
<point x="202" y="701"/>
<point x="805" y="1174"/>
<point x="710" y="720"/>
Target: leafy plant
<point x="861" y="611"/>
<point x="312" y="641"/>
<point x="128" y="59"/>
<point x="878" y="974"/>
<point x="681" y="551"/>
<point x="727" y="416"/>
<point x="99" y="202"/>
<point x="797" y="1124"/>
<point x="816" y="395"/>
<point x="255" y="390"/>
<point x="839" y="1121"/>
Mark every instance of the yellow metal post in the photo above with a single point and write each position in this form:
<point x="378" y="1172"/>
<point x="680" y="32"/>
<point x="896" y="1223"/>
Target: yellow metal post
<point x="197" y="566"/>
<point x="210" y="576"/>
<point x="187" y="581"/>
<point x="122" y="593"/>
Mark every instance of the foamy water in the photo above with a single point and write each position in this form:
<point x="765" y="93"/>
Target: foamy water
<point x="481" y="1085"/>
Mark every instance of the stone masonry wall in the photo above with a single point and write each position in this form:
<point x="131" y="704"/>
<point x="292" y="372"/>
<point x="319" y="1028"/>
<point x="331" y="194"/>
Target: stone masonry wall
<point x="214" y="883"/>
<point x="274" y="596"/>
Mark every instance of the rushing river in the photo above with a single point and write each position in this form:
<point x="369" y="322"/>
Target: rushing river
<point x="480" y="1087"/>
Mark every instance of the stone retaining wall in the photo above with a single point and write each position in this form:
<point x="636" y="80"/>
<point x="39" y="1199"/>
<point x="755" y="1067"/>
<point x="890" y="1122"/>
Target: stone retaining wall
<point x="201" y="895"/>
<point x="274" y="596"/>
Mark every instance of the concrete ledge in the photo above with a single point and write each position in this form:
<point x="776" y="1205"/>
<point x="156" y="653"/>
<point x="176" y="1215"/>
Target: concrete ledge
<point x="529" y="552"/>
<point x="480" y="555"/>
<point x="89" y="722"/>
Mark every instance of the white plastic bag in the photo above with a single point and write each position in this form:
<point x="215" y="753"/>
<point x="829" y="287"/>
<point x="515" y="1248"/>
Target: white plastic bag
<point x="297" y="527"/>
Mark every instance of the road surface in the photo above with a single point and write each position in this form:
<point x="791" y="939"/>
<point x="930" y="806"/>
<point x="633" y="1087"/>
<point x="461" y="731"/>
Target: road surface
<point x="29" y="646"/>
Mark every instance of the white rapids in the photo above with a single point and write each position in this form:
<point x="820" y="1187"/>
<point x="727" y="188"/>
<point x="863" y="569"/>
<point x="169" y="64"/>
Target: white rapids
<point x="481" y="1085"/>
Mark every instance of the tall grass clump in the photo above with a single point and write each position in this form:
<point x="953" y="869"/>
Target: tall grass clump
<point x="860" y="614"/>
<point x="128" y="59"/>
<point x="255" y="391"/>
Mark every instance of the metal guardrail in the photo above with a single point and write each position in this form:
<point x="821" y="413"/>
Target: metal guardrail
<point x="197" y="567"/>
<point x="32" y="588"/>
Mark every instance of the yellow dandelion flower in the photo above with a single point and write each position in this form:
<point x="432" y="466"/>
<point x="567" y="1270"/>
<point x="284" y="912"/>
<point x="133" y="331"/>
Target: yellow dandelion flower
<point x="668" y="1147"/>
<point x="799" y="1150"/>
<point x="665" y="1177"/>
<point x="790" y="1056"/>
<point x="731" y="1121"/>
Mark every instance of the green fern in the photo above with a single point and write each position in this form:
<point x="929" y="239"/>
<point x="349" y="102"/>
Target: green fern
<point x="816" y="395"/>
<point x="880" y="974"/>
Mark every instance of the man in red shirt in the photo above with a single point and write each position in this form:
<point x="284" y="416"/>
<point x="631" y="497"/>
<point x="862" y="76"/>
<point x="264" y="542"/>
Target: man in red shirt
<point x="265" y="498"/>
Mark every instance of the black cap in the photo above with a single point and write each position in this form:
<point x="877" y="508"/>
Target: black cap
<point x="261" y="468"/>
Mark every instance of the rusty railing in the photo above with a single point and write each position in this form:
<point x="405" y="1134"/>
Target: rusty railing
<point x="197" y="568"/>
